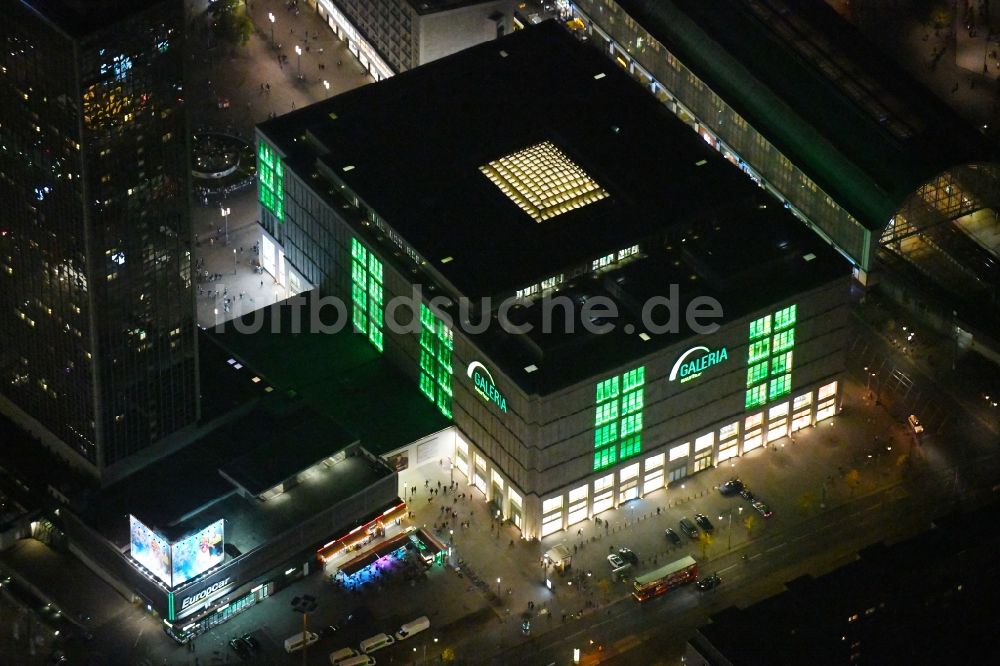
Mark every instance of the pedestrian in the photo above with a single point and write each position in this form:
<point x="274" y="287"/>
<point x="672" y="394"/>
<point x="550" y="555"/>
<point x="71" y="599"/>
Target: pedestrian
<point x="439" y="485"/>
<point x="261" y="284"/>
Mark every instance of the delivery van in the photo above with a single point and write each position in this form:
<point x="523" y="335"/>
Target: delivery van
<point x="360" y="660"/>
<point x="376" y="642"/>
<point x="296" y="642"/>
<point x="414" y="627"/>
<point x="342" y="655"/>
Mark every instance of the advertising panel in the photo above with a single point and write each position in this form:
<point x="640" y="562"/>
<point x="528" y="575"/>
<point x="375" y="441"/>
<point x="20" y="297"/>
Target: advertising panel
<point x="197" y="553"/>
<point x="149" y="549"/>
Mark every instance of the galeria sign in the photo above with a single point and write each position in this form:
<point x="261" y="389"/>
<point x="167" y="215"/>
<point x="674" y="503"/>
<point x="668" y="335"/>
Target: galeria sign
<point x="485" y="387"/>
<point x="695" y="361"/>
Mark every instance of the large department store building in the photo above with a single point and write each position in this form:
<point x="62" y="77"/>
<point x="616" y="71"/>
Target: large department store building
<point x="532" y="171"/>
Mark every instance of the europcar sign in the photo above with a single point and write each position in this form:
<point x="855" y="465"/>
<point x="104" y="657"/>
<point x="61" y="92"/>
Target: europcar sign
<point x="206" y="593"/>
<point x="695" y="361"/>
<point x="487" y="390"/>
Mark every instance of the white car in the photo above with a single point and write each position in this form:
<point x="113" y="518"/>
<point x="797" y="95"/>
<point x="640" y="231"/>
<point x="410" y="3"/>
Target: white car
<point x="616" y="561"/>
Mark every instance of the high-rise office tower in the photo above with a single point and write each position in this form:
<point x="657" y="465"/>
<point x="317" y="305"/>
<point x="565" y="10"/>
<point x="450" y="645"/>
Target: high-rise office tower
<point x="97" y="332"/>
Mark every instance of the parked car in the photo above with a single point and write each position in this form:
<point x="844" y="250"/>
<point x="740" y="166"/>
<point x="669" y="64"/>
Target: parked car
<point x="747" y="495"/>
<point x="628" y="555"/>
<point x="688" y="528"/>
<point x="708" y="583"/>
<point x="672" y="537"/>
<point x="915" y="424"/>
<point x="615" y="560"/>
<point x="251" y="641"/>
<point x="731" y="487"/>
<point x="703" y="522"/>
<point x="762" y="509"/>
<point x="240" y="647"/>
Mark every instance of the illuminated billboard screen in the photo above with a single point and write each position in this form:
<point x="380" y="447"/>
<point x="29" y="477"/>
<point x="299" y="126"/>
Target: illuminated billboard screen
<point x="197" y="553"/>
<point x="150" y="549"/>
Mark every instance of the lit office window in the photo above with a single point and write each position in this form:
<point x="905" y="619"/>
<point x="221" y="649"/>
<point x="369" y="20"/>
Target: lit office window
<point x="618" y="417"/>
<point x="769" y="357"/>
<point x="436" y="345"/>
<point x="271" y="180"/>
<point x="366" y="293"/>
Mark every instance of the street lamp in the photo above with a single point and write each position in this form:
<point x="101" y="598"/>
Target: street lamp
<point x="451" y="537"/>
<point x="498" y="587"/>
<point x="234" y="261"/>
<point x="225" y="217"/>
<point x="270" y="17"/>
<point x="298" y="54"/>
<point x="305" y="604"/>
<point x="730" y="530"/>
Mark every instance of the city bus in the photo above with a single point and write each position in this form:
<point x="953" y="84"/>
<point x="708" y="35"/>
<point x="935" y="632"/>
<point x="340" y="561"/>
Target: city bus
<point x="665" y="579"/>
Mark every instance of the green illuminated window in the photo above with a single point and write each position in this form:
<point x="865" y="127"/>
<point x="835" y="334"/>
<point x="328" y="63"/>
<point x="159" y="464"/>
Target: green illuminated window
<point x="607" y="389"/>
<point x="760" y="327"/>
<point x="632" y="402"/>
<point x="779" y="386"/>
<point x="436" y="343"/>
<point x="631" y="424"/>
<point x="784" y="340"/>
<point x="756" y="373"/>
<point x="271" y="181"/>
<point x="781" y="364"/>
<point x="769" y="357"/>
<point x="756" y="396"/>
<point x="784" y="318"/>
<point x="634" y="378"/>
<point x="605" y="435"/>
<point x="618" y="417"/>
<point x="629" y="447"/>
<point x="366" y="293"/>
<point x="759" y="350"/>
<point x="605" y="458"/>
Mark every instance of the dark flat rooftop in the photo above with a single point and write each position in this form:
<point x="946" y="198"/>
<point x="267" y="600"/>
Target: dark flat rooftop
<point x="702" y="224"/>
<point x="831" y="101"/>
<point x="432" y="6"/>
<point x="414" y="145"/>
<point x="291" y="443"/>
<point x="930" y="599"/>
<point x="80" y="17"/>
<point x="340" y="376"/>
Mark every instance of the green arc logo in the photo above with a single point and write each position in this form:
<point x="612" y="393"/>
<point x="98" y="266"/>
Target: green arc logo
<point x="485" y="387"/>
<point x="688" y="370"/>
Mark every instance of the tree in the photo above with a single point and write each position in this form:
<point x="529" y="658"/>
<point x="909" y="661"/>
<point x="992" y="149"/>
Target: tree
<point x="706" y="540"/>
<point x="749" y="522"/>
<point x="448" y="655"/>
<point x="604" y="586"/>
<point x="853" y="479"/>
<point x="231" y="22"/>
<point x="806" y="501"/>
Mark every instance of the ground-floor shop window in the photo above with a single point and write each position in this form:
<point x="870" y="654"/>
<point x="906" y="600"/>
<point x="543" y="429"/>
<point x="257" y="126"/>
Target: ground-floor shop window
<point x="730" y="450"/>
<point x="703" y="461"/>
<point x="677" y="473"/>
<point x="603" y="501"/>
<point x="653" y="481"/>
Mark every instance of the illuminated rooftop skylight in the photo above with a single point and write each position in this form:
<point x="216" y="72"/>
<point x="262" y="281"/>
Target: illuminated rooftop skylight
<point x="543" y="182"/>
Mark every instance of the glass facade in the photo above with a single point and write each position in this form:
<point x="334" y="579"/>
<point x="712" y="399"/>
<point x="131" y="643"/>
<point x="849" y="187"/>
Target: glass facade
<point x="96" y="294"/>
<point x="769" y="357"/>
<point x="367" y="308"/>
<point x="436" y="345"/>
<point x="694" y="102"/>
<point x="618" y="417"/>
